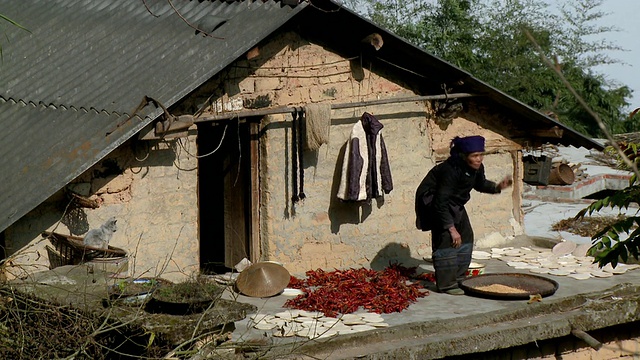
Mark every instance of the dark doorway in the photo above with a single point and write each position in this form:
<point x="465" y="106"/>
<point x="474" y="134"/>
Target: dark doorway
<point x="224" y="188"/>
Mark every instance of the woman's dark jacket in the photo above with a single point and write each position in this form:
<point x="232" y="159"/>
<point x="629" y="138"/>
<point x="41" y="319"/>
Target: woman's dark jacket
<point x="445" y="190"/>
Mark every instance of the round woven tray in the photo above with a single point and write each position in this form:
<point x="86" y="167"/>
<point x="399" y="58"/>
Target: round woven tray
<point x="529" y="284"/>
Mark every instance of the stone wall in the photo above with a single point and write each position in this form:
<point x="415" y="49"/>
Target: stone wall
<point x="149" y="188"/>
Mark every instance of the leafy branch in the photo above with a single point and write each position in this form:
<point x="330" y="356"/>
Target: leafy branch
<point x="607" y="247"/>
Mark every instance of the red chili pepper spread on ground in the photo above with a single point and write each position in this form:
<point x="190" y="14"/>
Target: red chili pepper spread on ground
<point x="345" y="291"/>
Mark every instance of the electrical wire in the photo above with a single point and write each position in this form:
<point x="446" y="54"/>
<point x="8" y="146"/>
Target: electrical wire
<point x="212" y="152"/>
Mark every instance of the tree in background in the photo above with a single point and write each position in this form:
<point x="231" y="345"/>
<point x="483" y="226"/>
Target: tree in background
<point x="583" y="47"/>
<point x="487" y="39"/>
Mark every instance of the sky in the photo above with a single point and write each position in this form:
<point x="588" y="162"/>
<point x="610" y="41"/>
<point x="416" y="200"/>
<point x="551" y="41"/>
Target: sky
<point x="624" y="15"/>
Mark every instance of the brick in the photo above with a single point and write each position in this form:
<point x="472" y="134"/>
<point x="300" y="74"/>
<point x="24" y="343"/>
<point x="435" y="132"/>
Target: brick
<point x="336" y="77"/>
<point x="320" y="219"/>
<point x="119" y="183"/>
<point x="116" y="198"/>
<point x="608" y="351"/>
<point x="387" y="87"/>
<point x="248" y="85"/>
<point x="318" y="94"/>
<point x="267" y="84"/>
<point x="292" y="97"/>
<point x="345" y="92"/>
<point x="630" y="347"/>
<point x="580" y="354"/>
<point x="315" y="250"/>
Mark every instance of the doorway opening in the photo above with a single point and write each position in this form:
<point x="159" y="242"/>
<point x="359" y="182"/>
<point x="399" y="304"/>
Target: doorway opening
<point x="226" y="189"/>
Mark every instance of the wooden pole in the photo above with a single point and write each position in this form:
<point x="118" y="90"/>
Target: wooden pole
<point x="287" y="109"/>
<point x="591" y="341"/>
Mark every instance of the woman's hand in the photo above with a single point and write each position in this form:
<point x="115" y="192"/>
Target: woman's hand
<point x="456" y="239"/>
<point x="505" y="183"/>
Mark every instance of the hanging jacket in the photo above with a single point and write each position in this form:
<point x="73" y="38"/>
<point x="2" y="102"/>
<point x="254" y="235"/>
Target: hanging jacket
<point x="365" y="171"/>
<point x="445" y="190"/>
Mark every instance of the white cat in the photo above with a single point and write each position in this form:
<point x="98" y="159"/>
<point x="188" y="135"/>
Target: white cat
<point x="99" y="238"/>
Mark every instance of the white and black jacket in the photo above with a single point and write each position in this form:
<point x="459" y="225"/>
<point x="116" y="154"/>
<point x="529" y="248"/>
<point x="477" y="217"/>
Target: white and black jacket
<point x="365" y="171"/>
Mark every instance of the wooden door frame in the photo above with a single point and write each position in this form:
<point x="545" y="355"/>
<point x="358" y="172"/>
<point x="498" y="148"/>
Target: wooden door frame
<point x="231" y="250"/>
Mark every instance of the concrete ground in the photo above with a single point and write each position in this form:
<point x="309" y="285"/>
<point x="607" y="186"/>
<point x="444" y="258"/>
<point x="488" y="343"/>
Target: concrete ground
<point x="441" y="325"/>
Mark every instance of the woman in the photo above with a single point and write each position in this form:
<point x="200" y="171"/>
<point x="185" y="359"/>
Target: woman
<point x="440" y="201"/>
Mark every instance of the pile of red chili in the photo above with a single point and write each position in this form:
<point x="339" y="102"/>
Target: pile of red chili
<point x="345" y="291"/>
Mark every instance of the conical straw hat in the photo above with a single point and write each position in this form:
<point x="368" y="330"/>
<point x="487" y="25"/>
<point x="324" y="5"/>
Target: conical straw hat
<point x="263" y="279"/>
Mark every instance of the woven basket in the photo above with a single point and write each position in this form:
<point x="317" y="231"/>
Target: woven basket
<point x="69" y="250"/>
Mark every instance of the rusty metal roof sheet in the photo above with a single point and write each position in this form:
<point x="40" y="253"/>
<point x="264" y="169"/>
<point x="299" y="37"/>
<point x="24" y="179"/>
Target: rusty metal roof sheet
<point x="82" y="66"/>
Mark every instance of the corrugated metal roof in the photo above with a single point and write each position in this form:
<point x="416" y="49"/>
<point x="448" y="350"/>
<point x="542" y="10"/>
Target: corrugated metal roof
<point x="84" y="65"/>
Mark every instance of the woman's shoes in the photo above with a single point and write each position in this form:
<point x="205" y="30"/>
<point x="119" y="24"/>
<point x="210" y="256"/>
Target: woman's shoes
<point x="455" y="291"/>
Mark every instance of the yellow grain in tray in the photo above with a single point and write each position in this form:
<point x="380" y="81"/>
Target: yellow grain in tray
<point x="501" y="289"/>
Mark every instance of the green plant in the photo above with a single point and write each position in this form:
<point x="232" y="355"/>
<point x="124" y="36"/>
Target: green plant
<point x="608" y="245"/>
<point x="127" y="287"/>
<point x="629" y="150"/>
<point x="188" y="291"/>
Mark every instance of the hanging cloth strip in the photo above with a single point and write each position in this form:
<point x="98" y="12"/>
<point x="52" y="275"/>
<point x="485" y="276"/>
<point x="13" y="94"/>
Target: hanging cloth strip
<point x="317" y="124"/>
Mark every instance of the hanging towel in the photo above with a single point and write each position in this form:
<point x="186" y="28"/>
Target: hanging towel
<point x="317" y="124"/>
<point x="365" y="171"/>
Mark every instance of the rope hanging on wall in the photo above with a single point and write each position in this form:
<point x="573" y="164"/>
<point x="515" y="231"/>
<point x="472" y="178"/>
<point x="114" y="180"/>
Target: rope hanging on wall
<point x="294" y="157"/>
<point x="301" y="131"/>
<point x="297" y="161"/>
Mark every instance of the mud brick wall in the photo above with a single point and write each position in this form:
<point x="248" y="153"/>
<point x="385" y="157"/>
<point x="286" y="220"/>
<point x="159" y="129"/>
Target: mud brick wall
<point x="151" y="190"/>
<point x="322" y="231"/>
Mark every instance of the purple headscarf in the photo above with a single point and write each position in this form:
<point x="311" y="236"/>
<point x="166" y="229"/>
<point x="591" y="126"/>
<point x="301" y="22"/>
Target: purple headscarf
<point x="468" y="144"/>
